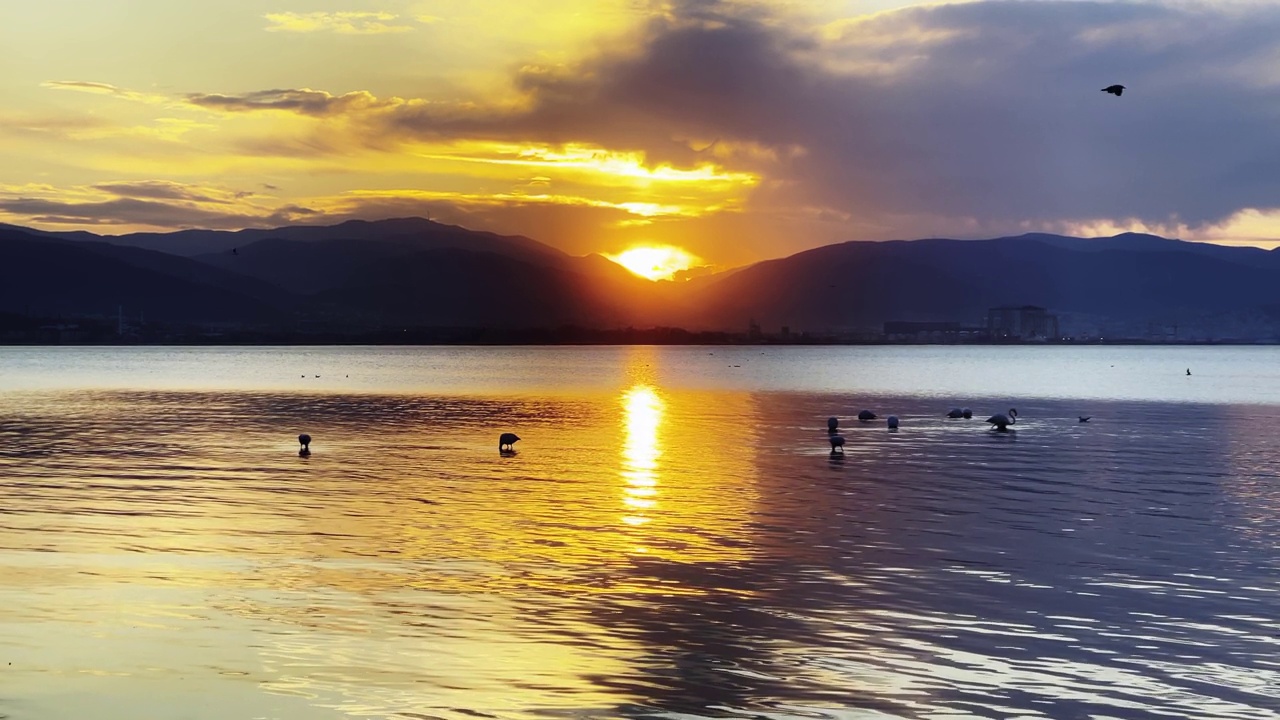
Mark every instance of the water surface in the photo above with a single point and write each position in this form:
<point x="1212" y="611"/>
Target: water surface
<point x="673" y="538"/>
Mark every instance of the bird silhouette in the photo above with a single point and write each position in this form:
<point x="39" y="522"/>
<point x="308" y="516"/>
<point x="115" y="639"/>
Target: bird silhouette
<point x="507" y="441"/>
<point x="1116" y="90"/>
<point x="1001" y="422"/>
<point x="1085" y="418"/>
<point x="305" y="441"/>
<point x="837" y="442"/>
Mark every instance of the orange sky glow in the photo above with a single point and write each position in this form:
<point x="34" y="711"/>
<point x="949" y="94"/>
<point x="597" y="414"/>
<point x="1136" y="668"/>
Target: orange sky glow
<point x="610" y="126"/>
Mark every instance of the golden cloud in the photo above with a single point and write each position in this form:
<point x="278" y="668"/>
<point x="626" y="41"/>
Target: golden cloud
<point x="98" y="88"/>
<point x="351" y="200"/>
<point x="345" y="23"/>
<point x="145" y="204"/>
<point x="302" y="101"/>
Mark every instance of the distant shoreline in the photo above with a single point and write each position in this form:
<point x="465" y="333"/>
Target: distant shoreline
<point x="101" y="331"/>
<point x="356" y="342"/>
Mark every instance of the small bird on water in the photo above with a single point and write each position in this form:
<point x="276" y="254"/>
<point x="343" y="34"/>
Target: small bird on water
<point x="832" y="424"/>
<point x="837" y="442"/>
<point x="304" y="440"/>
<point x="507" y="441"/>
<point x="1085" y="418"/>
<point x="1116" y="90"/>
<point x="1001" y="421"/>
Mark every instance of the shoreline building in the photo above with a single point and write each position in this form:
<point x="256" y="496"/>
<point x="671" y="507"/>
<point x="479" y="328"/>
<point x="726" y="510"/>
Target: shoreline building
<point x="947" y="333"/>
<point x="1023" y="322"/>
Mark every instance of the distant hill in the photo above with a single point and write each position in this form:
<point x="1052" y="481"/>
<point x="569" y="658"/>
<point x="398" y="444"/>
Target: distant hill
<point x="450" y="287"/>
<point x="313" y="259"/>
<point x="1141" y="242"/>
<point x="418" y="231"/>
<point x="417" y="273"/>
<point x="423" y="273"/>
<point x="1127" y="278"/>
<point x="54" y="277"/>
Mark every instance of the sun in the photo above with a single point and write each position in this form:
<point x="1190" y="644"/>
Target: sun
<point x="655" y="262"/>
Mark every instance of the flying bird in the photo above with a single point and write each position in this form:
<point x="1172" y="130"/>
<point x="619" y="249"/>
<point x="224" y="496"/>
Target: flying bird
<point x="507" y="441"/>
<point x="1116" y="90"/>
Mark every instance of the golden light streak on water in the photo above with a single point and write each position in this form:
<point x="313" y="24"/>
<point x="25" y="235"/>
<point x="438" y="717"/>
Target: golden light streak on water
<point x="640" y="453"/>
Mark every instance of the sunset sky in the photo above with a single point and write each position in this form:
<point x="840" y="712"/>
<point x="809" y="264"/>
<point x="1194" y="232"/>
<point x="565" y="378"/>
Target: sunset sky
<point x="737" y="130"/>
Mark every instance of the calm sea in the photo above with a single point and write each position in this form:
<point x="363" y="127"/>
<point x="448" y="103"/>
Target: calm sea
<point x="673" y="538"/>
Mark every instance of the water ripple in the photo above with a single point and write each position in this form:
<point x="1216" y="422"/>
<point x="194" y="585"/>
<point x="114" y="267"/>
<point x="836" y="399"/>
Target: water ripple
<point x="649" y="552"/>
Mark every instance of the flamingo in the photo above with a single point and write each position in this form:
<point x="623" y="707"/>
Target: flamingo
<point x="1000" y="421"/>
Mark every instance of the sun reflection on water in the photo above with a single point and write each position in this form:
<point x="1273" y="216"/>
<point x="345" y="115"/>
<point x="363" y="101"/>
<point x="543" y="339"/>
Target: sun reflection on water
<point x="642" y="417"/>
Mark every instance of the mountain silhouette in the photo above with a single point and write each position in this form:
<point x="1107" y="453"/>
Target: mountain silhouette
<point x="56" y="277"/>
<point x="1131" y="278"/>
<point x="415" y="273"/>
<point x="450" y="287"/>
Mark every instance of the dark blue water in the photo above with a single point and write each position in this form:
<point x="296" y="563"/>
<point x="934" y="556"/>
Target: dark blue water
<point x="667" y="542"/>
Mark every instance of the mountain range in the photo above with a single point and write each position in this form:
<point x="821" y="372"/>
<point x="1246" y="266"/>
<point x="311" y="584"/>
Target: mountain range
<point x="417" y="273"/>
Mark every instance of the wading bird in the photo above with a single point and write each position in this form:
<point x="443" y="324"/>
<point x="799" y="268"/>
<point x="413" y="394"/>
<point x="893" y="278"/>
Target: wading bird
<point x="1000" y="421"/>
<point x="507" y="441"/>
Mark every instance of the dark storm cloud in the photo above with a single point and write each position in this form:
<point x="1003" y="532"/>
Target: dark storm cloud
<point x="989" y="111"/>
<point x="1000" y="116"/>
<point x="984" y="114"/>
